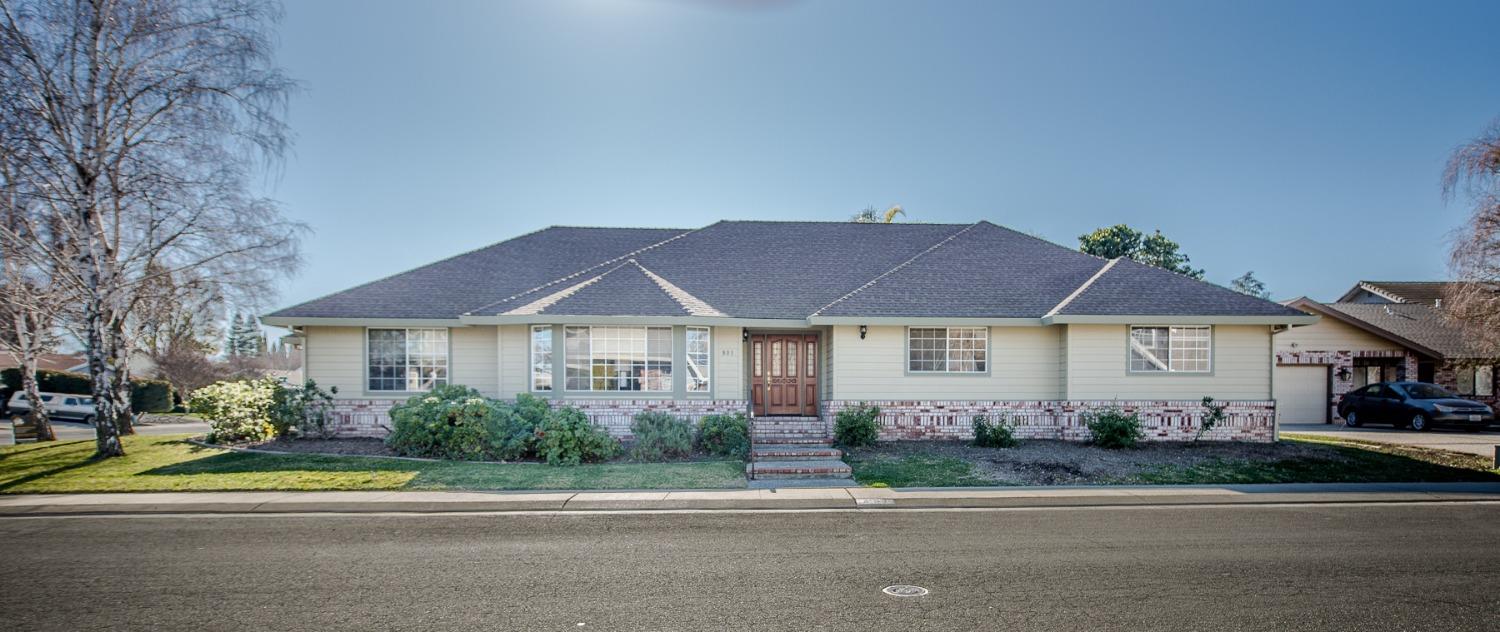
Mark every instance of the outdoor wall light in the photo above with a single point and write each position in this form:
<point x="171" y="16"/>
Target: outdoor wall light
<point x="1343" y="373"/>
<point x="863" y="329"/>
<point x="744" y="334"/>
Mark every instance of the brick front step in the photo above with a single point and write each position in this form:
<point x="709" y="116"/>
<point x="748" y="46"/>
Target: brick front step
<point x="762" y="470"/>
<point x="793" y="438"/>
<point x="795" y="453"/>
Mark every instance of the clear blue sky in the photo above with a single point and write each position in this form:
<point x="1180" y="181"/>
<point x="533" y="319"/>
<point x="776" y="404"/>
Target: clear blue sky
<point x="1301" y="140"/>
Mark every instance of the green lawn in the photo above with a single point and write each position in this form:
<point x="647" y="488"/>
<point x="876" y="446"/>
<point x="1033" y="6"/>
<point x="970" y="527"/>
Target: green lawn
<point x="167" y="463"/>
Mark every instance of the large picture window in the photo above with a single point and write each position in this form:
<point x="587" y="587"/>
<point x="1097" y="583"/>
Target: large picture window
<point x="618" y="358"/>
<point x="1171" y="349"/>
<point x="541" y="358"/>
<point x="947" y="349"/>
<point x="698" y="354"/>
<point x="407" y="359"/>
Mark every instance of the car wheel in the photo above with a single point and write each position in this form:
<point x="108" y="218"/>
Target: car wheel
<point x="1419" y="422"/>
<point x="88" y="419"/>
<point x="1351" y="419"/>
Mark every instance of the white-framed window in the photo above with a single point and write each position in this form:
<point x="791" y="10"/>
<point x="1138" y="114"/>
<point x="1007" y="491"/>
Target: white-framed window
<point x="698" y="359"/>
<point x="947" y="349"/>
<point x="406" y="359"/>
<point x="1476" y="380"/>
<point x="541" y="357"/>
<point x="618" y="358"/>
<point x="1171" y="349"/>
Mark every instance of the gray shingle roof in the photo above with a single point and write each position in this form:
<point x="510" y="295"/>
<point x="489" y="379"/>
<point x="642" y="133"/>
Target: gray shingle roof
<point x="1131" y="288"/>
<point x="1428" y="292"/>
<point x="984" y="271"/>
<point x="458" y="284"/>
<point x="1416" y="322"/>
<point x="785" y="270"/>
<point x="623" y="291"/>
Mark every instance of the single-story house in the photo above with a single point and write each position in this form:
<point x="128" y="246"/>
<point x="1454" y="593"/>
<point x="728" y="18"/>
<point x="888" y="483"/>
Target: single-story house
<point x="1378" y="331"/>
<point x="790" y="322"/>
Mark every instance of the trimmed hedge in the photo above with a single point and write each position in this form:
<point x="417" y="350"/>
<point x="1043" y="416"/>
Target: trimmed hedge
<point x="148" y="396"/>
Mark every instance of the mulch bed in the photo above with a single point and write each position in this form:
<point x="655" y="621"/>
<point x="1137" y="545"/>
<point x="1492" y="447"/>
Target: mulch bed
<point x="1045" y="462"/>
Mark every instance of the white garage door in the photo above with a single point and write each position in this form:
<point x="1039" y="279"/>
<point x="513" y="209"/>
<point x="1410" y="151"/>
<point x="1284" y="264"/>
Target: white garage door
<point x="1302" y="393"/>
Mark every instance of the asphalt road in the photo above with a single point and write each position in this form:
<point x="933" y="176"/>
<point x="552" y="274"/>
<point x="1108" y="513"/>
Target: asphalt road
<point x="1453" y="440"/>
<point x="1328" y="567"/>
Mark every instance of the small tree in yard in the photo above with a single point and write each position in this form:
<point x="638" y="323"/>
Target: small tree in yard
<point x="131" y="129"/>
<point x="1213" y="415"/>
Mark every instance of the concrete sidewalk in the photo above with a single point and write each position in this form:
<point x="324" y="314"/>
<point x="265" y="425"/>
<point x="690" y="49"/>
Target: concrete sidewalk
<point x="749" y="499"/>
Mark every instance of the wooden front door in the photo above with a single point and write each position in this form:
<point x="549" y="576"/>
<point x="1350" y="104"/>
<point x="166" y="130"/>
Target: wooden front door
<point x="784" y="374"/>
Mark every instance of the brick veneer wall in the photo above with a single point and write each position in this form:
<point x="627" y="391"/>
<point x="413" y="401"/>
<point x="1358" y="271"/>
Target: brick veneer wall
<point x="371" y="417"/>
<point x="1445" y="375"/>
<point x="1160" y="420"/>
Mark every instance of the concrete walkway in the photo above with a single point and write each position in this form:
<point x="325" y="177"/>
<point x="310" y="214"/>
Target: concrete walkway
<point x="1480" y="443"/>
<point x="747" y="499"/>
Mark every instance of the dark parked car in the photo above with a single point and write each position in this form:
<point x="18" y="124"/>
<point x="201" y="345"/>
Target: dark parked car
<point x="1415" y="405"/>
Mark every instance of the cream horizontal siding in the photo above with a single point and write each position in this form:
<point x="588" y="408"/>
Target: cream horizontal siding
<point x="472" y="361"/>
<point x="1329" y="334"/>
<point x="728" y="364"/>
<point x="1097" y="367"/>
<point x="514" y="359"/>
<point x="335" y="358"/>
<point x="1023" y="365"/>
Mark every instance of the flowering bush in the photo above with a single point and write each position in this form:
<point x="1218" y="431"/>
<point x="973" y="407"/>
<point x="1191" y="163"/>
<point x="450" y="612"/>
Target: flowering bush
<point x="567" y="437"/>
<point x="236" y="411"/>
<point x="302" y="411"/>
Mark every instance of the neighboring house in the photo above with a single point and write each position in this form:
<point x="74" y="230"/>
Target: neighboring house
<point x="791" y="322"/>
<point x="45" y="362"/>
<point x="1376" y="332"/>
<point x="141" y="365"/>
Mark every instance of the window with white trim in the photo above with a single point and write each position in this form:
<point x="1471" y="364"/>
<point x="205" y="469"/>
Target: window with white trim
<point x="541" y="357"/>
<point x="618" y="358"/>
<point x="947" y="349"/>
<point x="406" y="359"/>
<point x="1171" y="349"/>
<point x="698" y="359"/>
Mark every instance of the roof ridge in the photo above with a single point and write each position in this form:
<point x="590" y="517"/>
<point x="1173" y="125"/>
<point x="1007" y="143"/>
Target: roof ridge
<point x="1086" y="284"/>
<point x="626" y="257"/>
<point x="694" y="305"/>
<point x="540" y="305"/>
<point x="898" y="267"/>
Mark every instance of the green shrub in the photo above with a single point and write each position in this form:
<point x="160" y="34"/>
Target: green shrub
<point x="1112" y="428"/>
<point x="449" y="422"/>
<point x="993" y="435"/>
<point x="150" y="396"/>
<point x="725" y="435"/>
<point x="567" y="437"/>
<point x="659" y="436"/>
<point x="236" y="411"/>
<point x="856" y="426"/>
<point x="512" y="435"/>
<point x="302" y="411"/>
<point x="1213" y="416"/>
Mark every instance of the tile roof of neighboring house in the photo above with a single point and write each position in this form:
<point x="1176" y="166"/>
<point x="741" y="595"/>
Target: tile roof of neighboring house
<point x="1413" y="322"/>
<point x="464" y="282"/>
<point x="45" y="362"/>
<point x="1427" y="292"/>
<point x="783" y="270"/>
<point x="1131" y="288"/>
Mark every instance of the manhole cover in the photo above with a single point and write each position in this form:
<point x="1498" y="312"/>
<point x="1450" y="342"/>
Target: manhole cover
<point x="904" y="590"/>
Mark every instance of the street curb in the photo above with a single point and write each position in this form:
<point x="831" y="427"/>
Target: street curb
<point x="788" y="499"/>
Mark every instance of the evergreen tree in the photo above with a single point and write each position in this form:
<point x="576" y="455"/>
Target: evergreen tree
<point x="1248" y="284"/>
<point x="232" y="342"/>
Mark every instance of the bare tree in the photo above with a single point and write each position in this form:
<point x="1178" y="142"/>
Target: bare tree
<point x="136" y="127"/>
<point x="30" y="303"/>
<point x="1474" y="302"/>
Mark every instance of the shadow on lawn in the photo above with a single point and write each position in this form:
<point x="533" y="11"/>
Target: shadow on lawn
<point x="32" y="452"/>
<point x="242" y="463"/>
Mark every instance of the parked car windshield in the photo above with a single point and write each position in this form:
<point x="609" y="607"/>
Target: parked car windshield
<point x="1427" y="391"/>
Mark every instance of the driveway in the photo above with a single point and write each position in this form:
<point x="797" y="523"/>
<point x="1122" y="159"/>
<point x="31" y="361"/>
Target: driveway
<point x="1481" y="443"/>
<point x="74" y="431"/>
